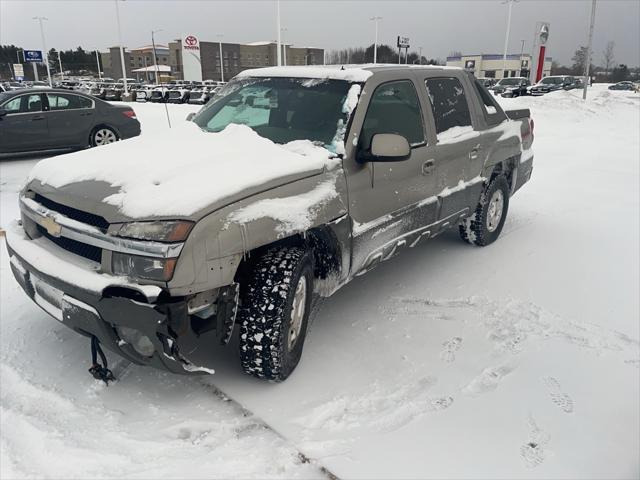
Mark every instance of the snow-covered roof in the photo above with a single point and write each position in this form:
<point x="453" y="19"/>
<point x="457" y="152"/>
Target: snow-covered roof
<point x="152" y="68"/>
<point x="352" y="73"/>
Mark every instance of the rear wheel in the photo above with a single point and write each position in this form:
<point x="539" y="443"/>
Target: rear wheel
<point x="276" y="303"/>
<point x="103" y="136"/>
<point x="484" y="226"/>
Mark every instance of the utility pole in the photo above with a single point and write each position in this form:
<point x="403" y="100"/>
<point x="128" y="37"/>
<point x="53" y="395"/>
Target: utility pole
<point x="124" y="69"/>
<point x="60" y="64"/>
<point x="521" y="53"/>
<point x="420" y="50"/>
<point x="587" y="64"/>
<point x="375" y="44"/>
<point x="221" y="62"/>
<point x="44" y="48"/>
<point x="278" y="52"/>
<point x="155" y="61"/>
<point x="284" y="48"/>
<point x="506" y="37"/>
<point x="98" y="64"/>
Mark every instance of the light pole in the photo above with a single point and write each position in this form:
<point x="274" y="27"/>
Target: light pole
<point x="521" y="53"/>
<point x="506" y="37"/>
<point x="155" y="61"/>
<point x="122" y="65"/>
<point x="60" y="64"/>
<point x="98" y="64"/>
<point x="278" y="52"/>
<point x="44" y="48"/>
<point x="221" y="61"/>
<point x="284" y="48"/>
<point x="375" y="44"/>
<point x="587" y="64"/>
<point x="420" y="53"/>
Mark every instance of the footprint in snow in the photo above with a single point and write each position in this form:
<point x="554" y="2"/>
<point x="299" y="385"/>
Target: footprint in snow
<point x="532" y="452"/>
<point x="450" y="348"/>
<point x="488" y="380"/>
<point x="561" y="399"/>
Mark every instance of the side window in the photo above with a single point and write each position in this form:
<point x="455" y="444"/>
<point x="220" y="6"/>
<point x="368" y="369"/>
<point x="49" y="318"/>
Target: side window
<point x="488" y="102"/>
<point x="24" y="104"/>
<point x="63" y="101"/>
<point x="450" y="107"/>
<point x="13" y="105"/>
<point x="394" y="108"/>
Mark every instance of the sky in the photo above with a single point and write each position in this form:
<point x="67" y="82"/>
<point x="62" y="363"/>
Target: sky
<point x="439" y="27"/>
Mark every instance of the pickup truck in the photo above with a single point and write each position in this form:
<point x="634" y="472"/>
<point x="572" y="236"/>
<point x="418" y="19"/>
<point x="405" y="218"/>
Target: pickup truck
<point x="282" y="189"/>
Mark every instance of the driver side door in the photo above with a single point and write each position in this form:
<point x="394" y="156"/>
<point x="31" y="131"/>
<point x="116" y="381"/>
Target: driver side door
<point x="24" y="127"/>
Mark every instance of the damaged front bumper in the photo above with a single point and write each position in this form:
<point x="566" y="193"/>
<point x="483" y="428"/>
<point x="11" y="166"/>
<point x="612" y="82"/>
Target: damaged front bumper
<point x="143" y="324"/>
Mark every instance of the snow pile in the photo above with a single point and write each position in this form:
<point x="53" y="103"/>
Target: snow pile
<point x="183" y="170"/>
<point x="457" y="134"/>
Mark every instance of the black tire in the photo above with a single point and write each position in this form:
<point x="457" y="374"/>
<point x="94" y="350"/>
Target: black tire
<point x="97" y="132"/>
<point x="265" y="317"/>
<point x="475" y="229"/>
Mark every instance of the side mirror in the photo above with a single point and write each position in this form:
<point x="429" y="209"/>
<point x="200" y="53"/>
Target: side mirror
<point x="389" y="147"/>
<point x="3" y="112"/>
<point x="190" y="116"/>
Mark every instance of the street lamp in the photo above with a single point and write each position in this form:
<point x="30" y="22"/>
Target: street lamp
<point x="587" y="64"/>
<point x="44" y="47"/>
<point x="278" y="52"/>
<point x="284" y="48"/>
<point x="420" y="50"/>
<point x="155" y="61"/>
<point x="375" y="44"/>
<point x="506" y="37"/>
<point x="98" y="64"/>
<point x="124" y="70"/>
<point x="221" y="62"/>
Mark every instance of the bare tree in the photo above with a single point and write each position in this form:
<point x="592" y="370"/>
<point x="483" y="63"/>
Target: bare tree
<point x="608" y="58"/>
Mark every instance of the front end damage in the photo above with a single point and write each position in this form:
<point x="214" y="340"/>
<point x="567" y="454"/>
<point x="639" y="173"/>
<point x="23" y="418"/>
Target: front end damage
<point x="143" y="324"/>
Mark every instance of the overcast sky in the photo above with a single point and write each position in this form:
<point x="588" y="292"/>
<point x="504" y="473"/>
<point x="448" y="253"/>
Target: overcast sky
<point x="469" y="26"/>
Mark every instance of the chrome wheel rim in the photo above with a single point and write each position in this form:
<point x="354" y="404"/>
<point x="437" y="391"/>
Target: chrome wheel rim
<point x="104" y="136"/>
<point x="494" y="213"/>
<point x="297" y="312"/>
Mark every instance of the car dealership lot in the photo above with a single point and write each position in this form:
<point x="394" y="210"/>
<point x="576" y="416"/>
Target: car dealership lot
<point x="517" y="360"/>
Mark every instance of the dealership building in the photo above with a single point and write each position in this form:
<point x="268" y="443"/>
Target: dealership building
<point x="236" y="57"/>
<point x="493" y="65"/>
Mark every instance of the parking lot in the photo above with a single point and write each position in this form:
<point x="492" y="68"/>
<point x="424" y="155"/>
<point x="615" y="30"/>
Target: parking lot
<point x="518" y="360"/>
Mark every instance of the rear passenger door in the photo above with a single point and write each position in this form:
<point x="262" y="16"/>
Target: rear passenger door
<point x="71" y="118"/>
<point x="460" y="151"/>
<point x="24" y="126"/>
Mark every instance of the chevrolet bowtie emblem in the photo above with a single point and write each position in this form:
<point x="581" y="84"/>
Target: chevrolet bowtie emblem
<point x="53" y="228"/>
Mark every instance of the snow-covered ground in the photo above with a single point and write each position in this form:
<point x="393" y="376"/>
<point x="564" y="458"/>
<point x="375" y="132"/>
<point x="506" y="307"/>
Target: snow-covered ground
<point x="518" y="360"/>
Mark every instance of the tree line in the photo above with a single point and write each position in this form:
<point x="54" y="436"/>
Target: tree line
<point x="385" y="54"/>
<point x="608" y="71"/>
<point x="74" y="62"/>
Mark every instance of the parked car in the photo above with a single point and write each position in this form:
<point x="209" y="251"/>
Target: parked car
<point x="487" y="82"/>
<point x="57" y="119"/>
<point x="114" y="92"/>
<point x="553" y="83"/>
<point x="200" y="96"/>
<point x="143" y="94"/>
<point x="625" y="85"/>
<point x="178" y="95"/>
<point x="69" y="84"/>
<point x="159" y="94"/>
<point x="11" y="86"/>
<point x="512" y="87"/>
<point x="157" y="257"/>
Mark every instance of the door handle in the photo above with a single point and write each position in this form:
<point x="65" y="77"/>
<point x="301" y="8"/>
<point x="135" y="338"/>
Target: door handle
<point x="475" y="151"/>
<point x="37" y="118"/>
<point x="428" y="167"/>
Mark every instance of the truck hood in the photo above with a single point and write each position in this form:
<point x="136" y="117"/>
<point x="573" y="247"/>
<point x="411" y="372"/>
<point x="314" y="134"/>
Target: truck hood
<point x="183" y="173"/>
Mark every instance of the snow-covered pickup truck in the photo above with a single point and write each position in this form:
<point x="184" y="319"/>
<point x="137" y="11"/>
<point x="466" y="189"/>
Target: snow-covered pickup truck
<point x="287" y="185"/>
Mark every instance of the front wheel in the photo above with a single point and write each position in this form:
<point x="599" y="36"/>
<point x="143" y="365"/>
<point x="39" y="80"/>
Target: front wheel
<point x="103" y="136"/>
<point x="276" y="303"/>
<point x="484" y="226"/>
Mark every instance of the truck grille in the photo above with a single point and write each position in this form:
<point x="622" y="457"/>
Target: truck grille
<point x="79" y="215"/>
<point x="82" y="249"/>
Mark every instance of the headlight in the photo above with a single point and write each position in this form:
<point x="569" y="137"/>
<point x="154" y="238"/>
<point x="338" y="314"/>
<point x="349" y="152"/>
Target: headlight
<point x="160" y="269"/>
<point x="161" y="231"/>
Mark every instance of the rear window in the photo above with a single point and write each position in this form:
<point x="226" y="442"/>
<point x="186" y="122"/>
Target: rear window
<point x="449" y="103"/>
<point x="488" y="103"/>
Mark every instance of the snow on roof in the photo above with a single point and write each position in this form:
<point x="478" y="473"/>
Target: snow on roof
<point x="335" y="72"/>
<point x="152" y="68"/>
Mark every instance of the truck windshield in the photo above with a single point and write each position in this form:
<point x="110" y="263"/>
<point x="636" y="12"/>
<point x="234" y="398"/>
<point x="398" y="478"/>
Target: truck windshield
<point x="510" y="81"/>
<point x="551" y="81"/>
<point x="280" y="109"/>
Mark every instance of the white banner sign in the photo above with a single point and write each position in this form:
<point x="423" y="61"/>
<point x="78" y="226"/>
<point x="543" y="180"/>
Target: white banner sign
<point x="18" y="70"/>
<point x="191" y="64"/>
